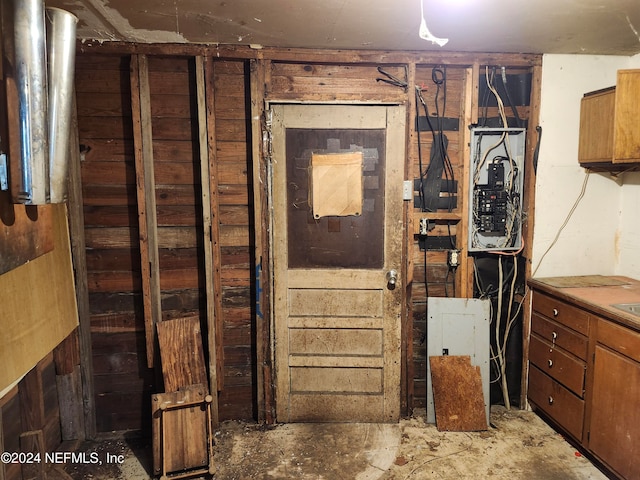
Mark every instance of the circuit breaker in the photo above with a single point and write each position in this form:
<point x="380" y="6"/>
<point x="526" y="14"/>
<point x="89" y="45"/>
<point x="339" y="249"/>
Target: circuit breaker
<point x="495" y="193"/>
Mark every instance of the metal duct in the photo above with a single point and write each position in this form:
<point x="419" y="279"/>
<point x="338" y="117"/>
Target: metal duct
<point x="31" y="83"/>
<point x="61" y="49"/>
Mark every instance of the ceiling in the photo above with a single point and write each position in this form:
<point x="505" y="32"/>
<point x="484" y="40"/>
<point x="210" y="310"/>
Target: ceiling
<point x="606" y="27"/>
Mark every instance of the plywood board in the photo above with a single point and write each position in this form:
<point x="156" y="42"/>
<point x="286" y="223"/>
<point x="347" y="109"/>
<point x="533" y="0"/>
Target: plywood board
<point x="181" y="353"/>
<point x="457" y="393"/>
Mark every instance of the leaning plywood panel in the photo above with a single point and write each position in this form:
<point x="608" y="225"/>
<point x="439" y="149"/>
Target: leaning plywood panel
<point x="457" y="392"/>
<point x="181" y="353"/>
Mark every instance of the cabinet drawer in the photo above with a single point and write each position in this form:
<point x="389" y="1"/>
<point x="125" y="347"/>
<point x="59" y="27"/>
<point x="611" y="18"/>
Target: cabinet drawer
<point x="557" y="364"/>
<point x="560" y="336"/>
<point x="561" y="312"/>
<point x="557" y="402"/>
<point x="620" y="339"/>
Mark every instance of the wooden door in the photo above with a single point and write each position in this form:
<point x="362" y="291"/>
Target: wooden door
<point x="337" y="241"/>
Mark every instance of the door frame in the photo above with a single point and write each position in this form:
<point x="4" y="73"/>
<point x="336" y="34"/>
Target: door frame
<point x="393" y="191"/>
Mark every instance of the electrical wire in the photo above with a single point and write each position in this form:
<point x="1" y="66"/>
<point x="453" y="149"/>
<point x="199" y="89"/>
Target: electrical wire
<point x="509" y="101"/>
<point x="566" y="221"/>
<point x="511" y="185"/>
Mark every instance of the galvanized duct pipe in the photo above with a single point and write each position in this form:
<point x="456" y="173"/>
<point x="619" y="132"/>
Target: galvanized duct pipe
<point x="31" y="83"/>
<point x="61" y="48"/>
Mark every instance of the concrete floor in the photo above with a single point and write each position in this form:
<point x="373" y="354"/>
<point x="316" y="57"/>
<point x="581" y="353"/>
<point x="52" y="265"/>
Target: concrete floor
<point x="518" y="445"/>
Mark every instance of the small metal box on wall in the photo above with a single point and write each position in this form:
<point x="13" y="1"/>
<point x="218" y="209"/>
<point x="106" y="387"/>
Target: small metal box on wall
<point x="459" y="326"/>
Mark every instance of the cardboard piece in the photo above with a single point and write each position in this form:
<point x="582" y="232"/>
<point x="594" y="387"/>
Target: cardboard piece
<point x="336" y="184"/>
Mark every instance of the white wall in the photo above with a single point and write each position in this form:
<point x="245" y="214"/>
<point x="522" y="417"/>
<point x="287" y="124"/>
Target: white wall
<point x="601" y="235"/>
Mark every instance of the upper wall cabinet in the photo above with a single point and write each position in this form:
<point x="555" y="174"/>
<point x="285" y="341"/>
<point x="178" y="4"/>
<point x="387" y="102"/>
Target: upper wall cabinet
<point x="609" y="124"/>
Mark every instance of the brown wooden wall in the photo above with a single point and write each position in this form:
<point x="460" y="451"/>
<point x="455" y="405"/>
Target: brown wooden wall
<point x="123" y="382"/>
<point x="31" y="416"/>
<point x="29" y="407"/>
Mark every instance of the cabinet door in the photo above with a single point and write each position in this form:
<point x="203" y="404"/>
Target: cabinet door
<point x="615" y="416"/>
<point x="596" y="127"/>
<point x="626" y="134"/>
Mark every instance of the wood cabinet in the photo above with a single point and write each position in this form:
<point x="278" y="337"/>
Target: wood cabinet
<point x="614" y="433"/>
<point x="584" y="376"/>
<point x="557" y="356"/>
<point x="609" y="123"/>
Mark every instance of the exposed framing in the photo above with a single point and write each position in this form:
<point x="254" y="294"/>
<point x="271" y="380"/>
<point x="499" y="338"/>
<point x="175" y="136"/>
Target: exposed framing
<point x="260" y="62"/>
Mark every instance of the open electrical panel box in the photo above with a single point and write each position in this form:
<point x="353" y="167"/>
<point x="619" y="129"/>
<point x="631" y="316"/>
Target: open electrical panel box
<point x="495" y="193"/>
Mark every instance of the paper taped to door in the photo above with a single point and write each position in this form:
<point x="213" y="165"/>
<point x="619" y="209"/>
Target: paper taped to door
<point x="336" y="184"/>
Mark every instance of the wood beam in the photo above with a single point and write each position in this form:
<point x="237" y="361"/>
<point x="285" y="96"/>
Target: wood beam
<point x="533" y="137"/>
<point x="216" y="233"/>
<point x="145" y="189"/>
<point x="277" y="54"/>
<point x="259" y="143"/>
<point x="210" y="215"/>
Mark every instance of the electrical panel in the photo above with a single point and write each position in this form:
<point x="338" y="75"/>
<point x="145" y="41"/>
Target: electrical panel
<point x="459" y="326"/>
<point x="495" y="193"/>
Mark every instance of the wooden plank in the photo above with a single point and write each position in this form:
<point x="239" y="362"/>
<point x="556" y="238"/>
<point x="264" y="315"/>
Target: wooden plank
<point x="209" y="214"/>
<point x="110" y="215"/>
<point x="180" y="129"/>
<point x="33" y="442"/>
<point x="339" y="341"/>
<point x="174" y="82"/>
<point x="105" y="127"/>
<point x="175" y="194"/>
<point x="107" y="150"/>
<point x="25" y="233"/>
<point x="102" y="81"/>
<point x="171" y="105"/>
<point x="231" y="151"/>
<point x="211" y="200"/>
<point x="311" y="301"/>
<point x="528" y="226"/>
<point x="66" y="355"/>
<point x="338" y="380"/>
<point x="108" y="173"/>
<point x="626" y="131"/>
<point x="146" y="200"/>
<point x="464" y="273"/>
<point x="407" y="372"/>
<point x="78" y="255"/>
<point x="103" y="105"/>
<point x="181" y="353"/>
<point x="69" y="388"/>
<point x="375" y="57"/>
<point x="457" y="394"/>
<point x="180" y="435"/>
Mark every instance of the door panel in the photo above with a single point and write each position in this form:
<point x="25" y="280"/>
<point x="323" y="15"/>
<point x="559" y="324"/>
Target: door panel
<point x="336" y="318"/>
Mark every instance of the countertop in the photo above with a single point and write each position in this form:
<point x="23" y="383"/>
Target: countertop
<point x="595" y="293"/>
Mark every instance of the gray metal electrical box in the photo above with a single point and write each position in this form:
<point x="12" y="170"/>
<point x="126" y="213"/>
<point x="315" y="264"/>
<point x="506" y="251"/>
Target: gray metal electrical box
<point x="495" y="189"/>
<point x="459" y="326"/>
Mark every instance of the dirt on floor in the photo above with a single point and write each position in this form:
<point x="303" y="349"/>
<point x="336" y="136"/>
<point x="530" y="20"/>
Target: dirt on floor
<point x="517" y="445"/>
